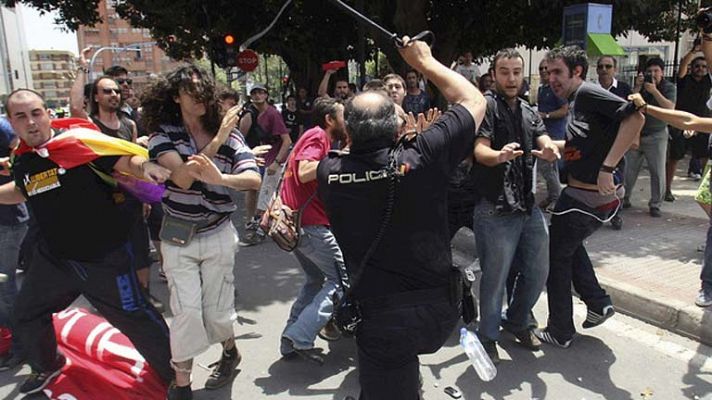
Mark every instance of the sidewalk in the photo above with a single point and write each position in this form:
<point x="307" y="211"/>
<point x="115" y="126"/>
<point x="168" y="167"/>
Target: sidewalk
<point x="651" y="267"/>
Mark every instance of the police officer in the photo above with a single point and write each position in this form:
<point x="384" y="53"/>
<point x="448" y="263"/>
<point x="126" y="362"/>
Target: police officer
<point x="404" y="289"/>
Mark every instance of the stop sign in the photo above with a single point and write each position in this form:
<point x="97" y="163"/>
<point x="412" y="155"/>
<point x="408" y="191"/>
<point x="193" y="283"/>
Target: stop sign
<point x="247" y="60"/>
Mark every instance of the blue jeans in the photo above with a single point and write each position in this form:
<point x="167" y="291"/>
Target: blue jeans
<point x="317" y="254"/>
<point x="10" y="240"/>
<point x="706" y="275"/>
<point x="504" y="240"/>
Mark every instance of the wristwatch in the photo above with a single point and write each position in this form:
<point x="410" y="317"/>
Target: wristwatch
<point x="606" y="168"/>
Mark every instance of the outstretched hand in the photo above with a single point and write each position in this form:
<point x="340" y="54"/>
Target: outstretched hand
<point x="549" y="153"/>
<point x="204" y="169"/>
<point x="510" y="151"/>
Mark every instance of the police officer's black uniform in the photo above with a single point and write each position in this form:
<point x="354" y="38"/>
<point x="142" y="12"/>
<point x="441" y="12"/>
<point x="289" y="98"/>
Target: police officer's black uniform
<point x="405" y="290"/>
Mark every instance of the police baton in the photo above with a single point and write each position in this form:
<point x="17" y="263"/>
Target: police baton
<point x="397" y="41"/>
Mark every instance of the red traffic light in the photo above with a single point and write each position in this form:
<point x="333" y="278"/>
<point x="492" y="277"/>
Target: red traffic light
<point x="229" y="39"/>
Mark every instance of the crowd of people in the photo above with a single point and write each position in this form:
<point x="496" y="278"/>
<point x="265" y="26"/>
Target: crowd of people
<point x="382" y="181"/>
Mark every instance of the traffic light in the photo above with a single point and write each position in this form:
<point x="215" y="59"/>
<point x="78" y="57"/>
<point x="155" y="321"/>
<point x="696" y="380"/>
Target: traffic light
<point x="230" y="50"/>
<point x="223" y="51"/>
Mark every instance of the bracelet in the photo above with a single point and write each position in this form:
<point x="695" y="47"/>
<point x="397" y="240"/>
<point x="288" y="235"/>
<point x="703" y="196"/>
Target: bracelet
<point x="83" y="69"/>
<point x="606" y="168"/>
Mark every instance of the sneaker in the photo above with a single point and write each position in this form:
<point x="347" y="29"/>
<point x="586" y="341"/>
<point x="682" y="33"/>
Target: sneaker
<point x="253" y="234"/>
<point x="617" y="222"/>
<point x="330" y="332"/>
<point x="594" y="319"/>
<point x="545" y="336"/>
<point x="176" y="392"/>
<point x="224" y="369"/>
<point x="10" y="361"/>
<point x="490" y="347"/>
<point x="627" y="203"/>
<point x="39" y="380"/>
<point x="695" y="176"/>
<point x="655" y="212"/>
<point x="313" y="355"/>
<point x="526" y="338"/>
<point x="704" y="298"/>
<point x="669" y="197"/>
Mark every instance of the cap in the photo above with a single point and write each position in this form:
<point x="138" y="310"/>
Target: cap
<point x="258" y="86"/>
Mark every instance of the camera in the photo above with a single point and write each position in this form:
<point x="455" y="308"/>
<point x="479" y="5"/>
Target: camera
<point x="703" y="20"/>
<point x="648" y="77"/>
<point x="347" y="315"/>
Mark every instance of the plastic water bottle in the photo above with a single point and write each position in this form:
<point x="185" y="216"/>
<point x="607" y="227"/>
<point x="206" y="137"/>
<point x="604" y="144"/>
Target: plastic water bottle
<point x="477" y="355"/>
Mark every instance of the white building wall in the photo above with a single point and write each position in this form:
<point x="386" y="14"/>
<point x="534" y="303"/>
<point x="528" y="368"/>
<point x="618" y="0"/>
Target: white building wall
<point x="14" y="57"/>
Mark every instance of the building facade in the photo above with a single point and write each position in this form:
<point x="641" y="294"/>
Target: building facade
<point x="51" y="70"/>
<point x="142" y="63"/>
<point x="15" y="69"/>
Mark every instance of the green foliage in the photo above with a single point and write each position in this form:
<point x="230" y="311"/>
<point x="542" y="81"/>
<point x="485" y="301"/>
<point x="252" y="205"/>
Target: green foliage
<point x="311" y="32"/>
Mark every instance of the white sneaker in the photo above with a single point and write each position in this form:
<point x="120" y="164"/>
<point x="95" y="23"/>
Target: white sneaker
<point x="704" y="298"/>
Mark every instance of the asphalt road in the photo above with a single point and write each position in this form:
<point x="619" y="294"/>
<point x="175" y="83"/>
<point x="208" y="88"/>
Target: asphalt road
<point x="622" y="359"/>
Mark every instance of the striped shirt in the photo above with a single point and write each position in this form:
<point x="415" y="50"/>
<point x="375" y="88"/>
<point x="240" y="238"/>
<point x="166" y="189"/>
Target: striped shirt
<point x="209" y="205"/>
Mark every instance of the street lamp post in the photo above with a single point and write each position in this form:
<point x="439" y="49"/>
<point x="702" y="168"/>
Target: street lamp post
<point x="133" y="47"/>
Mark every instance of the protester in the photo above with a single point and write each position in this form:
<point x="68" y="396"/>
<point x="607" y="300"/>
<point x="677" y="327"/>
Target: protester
<point x="206" y="158"/>
<point x="265" y="126"/>
<point x="553" y="111"/>
<point x="606" y="68"/>
<point x="341" y="89"/>
<point x="507" y="222"/>
<point x="96" y="259"/>
<point x="406" y="291"/>
<point x="693" y="91"/>
<point x="13" y="227"/>
<point x="396" y="88"/>
<point x="467" y="68"/>
<point x="292" y="119"/>
<point x="653" y="138"/>
<point x="416" y="100"/>
<point x="318" y="252"/>
<point x="601" y="128"/>
<point x="305" y="105"/>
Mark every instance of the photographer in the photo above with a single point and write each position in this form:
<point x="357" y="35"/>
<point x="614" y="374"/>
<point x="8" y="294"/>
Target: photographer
<point x="406" y="288"/>
<point x="654" y="136"/>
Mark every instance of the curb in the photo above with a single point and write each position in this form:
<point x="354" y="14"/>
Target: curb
<point x="673" y="315"/>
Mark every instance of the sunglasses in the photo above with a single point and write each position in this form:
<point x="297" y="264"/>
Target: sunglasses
<point x="110" y="91"/>
<point x="126" y="81"/>
<point x="606" y="66"/>
<point x="543" y="69"/>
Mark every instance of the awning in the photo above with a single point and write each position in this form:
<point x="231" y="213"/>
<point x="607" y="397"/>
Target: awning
<point x="603" y="44"/>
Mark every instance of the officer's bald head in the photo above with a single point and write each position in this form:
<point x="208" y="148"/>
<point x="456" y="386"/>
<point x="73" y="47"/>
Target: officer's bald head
<point x="371" y="120"/>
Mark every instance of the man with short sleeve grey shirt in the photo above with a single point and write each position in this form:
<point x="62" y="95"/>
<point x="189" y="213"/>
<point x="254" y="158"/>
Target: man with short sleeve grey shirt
<point x="653" y="137"/>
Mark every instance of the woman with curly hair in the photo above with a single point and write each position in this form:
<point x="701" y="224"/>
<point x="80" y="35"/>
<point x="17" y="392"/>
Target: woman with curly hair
<point x="206" y="157"/>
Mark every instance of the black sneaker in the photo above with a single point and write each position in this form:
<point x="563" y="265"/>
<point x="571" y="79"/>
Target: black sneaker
<point x="253" y="234"/>
<point x="545" y="336"/>
<point x="617" y="222"/>
<point x="39" y="380"/>
<point x="176" y="392"/>
<point x="224" y="369"/>
<point x="10" y="361"/>
<point x="594" y="319"/>
<point x="526" y="338"/>
<point x="655" y="212"/>
<point x="490" y="347"/>
<point x="669" y="197"/>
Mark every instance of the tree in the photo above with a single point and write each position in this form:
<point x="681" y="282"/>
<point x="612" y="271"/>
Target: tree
<point x="314" y="31"/>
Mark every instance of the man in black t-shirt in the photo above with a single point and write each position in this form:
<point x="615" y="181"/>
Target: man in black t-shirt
<point x="82" y="246"/>
<point x="509" y="227"/>
<point x="600" y="128"/>
<point x="292" y="119"/>
<point x="405" y="287"/>
<point x="693" y="91"/>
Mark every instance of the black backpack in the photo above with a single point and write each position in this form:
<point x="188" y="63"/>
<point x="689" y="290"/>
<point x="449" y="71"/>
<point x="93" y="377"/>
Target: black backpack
<point x="256" y="135"/>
